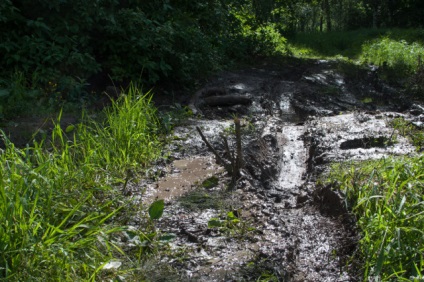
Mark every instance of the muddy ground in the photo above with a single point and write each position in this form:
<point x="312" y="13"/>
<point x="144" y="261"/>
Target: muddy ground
<point x="275" y="222"/>
<point x="296" y="119"/>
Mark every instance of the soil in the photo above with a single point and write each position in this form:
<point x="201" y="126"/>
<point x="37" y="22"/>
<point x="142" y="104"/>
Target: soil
<point x="297" y="118"/>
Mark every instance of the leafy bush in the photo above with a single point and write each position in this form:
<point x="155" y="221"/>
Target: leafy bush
<point x="266" y="40"/>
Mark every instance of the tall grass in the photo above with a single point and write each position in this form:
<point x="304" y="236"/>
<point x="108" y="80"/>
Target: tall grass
<point x="401" y="56"/>
<point x="128" y="137"/>
<point x="348" y="43"/>
<point x="59" y="213"/>
<point x="387" y="197"/>
<point x="398" y="52"/>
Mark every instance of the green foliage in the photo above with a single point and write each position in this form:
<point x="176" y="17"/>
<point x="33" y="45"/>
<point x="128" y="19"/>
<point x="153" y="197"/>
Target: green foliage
<point x="387" y="199"/>
<point x="347" y="43"/>
<point x="266" y="40"/>
<point x="400" y="57"/>
<point x="60" y="216"/>
<point x="174" y="116"/>
<point x="16" y="96"/>
<point x="127" y="138"/>
<point x="409" y="130"/>
<point x="156" y="209"/>
<point x="399" y="62"/>
<point x="232" y="224"/>
<point x="210" y="182"/>
<point x="58" y="41"/>
<point x="256" y="37"/>
<point x="263" y="270"/>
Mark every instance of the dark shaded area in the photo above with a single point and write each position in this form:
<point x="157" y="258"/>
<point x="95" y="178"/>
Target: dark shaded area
<point x="366" y="143"/>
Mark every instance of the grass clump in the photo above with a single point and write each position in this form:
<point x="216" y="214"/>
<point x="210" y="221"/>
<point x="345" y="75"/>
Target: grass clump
<point x="349" y="44"/>
<point x="60" y="215"/>
<point x="387" y="198"/>
<point x="398" y="55"/>
<point x="411" y="131"/>
<point x="127" y="138"/>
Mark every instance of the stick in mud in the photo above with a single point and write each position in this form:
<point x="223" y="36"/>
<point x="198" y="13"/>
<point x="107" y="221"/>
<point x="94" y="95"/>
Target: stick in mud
<point x="239" y="160"/>
<point x="218" y="157"/>
<point x="236" y="162"/>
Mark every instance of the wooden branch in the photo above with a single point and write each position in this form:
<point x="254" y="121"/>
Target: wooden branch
<point x="236" y="160"/>
<point x="230" y="155"/>
<point x="218" y="157"/>
<point x="239" y="157"/>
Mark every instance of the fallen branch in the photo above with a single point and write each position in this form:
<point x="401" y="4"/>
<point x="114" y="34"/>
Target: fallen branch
<point x="219" y="160"/>
<point x="239" y="160"/>
<point x="235" y="163"/>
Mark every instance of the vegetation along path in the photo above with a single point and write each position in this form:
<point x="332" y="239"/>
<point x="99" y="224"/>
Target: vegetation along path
<point x="275" y="220"/>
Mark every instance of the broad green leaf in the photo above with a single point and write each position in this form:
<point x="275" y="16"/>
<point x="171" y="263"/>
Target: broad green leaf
<point x="70" y="128"/>
<point x="231" y="215"/>
<point x="214" y="222"/>
<point x="168" y="237"/>
<point x="156" y="209"/>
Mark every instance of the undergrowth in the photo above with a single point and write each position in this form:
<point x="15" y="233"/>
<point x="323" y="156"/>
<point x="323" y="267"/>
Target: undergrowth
<point x="61" y="217"/>
<point x="399" y="56"/>
<point x="411" y="131"/>
<point x="347" y="43"/>
<point x="398" y="53"/>
<point x="387" y="198"/>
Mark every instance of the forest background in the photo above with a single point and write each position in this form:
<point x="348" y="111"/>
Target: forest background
<point x="56" y="51"/>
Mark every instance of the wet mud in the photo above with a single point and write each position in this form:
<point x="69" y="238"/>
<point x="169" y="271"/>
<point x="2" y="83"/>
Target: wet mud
<point x="296" y="120"/>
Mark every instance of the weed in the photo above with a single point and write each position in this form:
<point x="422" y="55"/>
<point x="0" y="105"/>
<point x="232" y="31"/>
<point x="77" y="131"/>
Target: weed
<point x="263" y="270"/>
<point x="174" y="117"/>
<point x="60" y="216"/>
<point x="232" y="224"/>
<point x="409" y="130"/>
<point x="210" y="182"/>
<point x="387" y="198"/>
<point x="398" y="58"/>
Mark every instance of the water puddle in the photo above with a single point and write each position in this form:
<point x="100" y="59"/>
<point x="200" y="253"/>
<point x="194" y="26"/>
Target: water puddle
<point x="185" y="175"/>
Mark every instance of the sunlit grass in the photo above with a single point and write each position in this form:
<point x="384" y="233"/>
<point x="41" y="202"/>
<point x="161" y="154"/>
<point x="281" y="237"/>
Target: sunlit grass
<point x="400" y="56"/>
<point x="60" y="215"/>
<point x="387" y="198"/>
<point x="397" y="52"/>
<point x="348" y="44"/>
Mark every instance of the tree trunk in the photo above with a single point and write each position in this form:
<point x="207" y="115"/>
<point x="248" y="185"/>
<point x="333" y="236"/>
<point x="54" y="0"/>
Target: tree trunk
<point x="327" y="12"/>
<point x="375" y="12"/>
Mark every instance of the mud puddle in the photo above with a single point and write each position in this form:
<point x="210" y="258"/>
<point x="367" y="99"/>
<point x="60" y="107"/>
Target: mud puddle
<point x="183" y="176"/>
<point x="299" y="118"/>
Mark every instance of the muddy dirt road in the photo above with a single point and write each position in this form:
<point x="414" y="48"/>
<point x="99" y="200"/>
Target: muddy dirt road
<point x="296" y="120"/>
